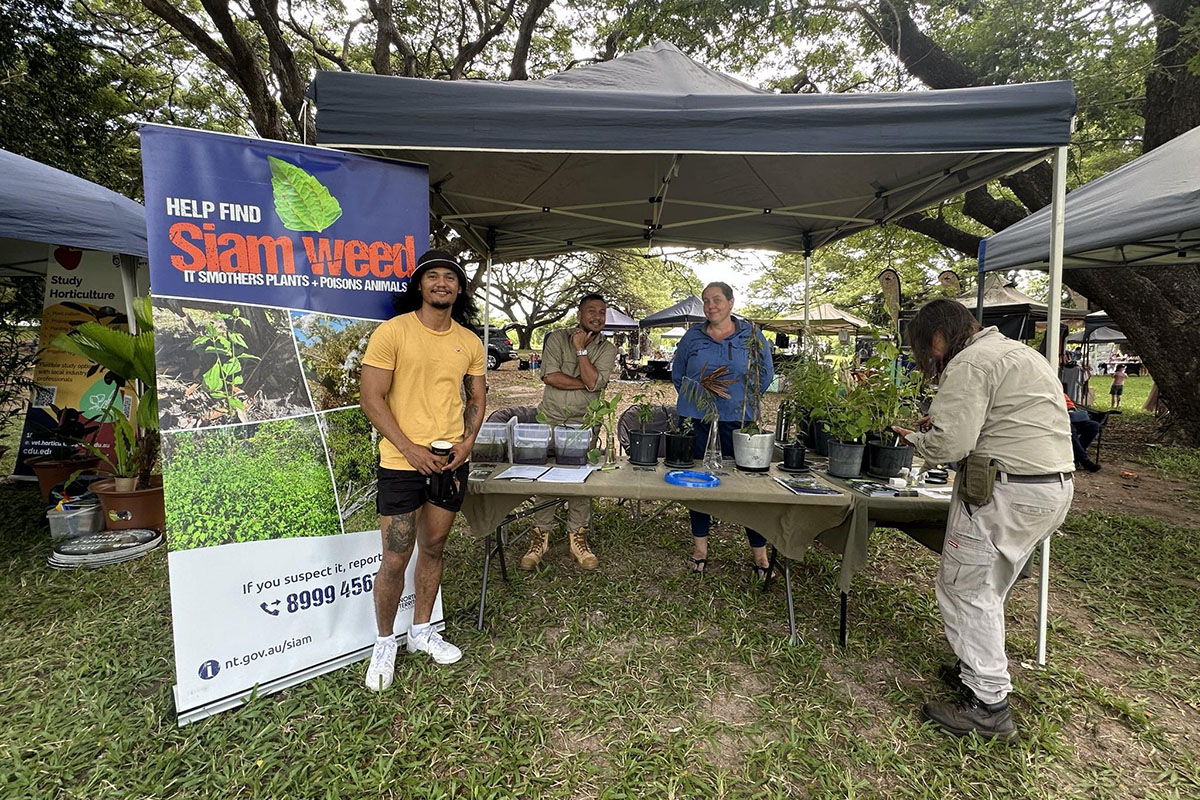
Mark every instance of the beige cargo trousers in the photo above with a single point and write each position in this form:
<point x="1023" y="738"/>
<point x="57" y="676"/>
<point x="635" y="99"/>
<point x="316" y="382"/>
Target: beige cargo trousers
<point x="982" y="555"/>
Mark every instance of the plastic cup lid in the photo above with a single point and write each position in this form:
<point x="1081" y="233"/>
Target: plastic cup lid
<point x="441" y="444"/>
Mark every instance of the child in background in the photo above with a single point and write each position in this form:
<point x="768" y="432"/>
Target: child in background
<point x="1118" y="387"/>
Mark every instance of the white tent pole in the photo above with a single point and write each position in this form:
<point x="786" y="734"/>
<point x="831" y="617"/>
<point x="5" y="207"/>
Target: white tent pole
<point x="1054" y="315"/>
<point x="807" y="270"/>
<point x="487" y="307"/>
<point x="129" y="288"/>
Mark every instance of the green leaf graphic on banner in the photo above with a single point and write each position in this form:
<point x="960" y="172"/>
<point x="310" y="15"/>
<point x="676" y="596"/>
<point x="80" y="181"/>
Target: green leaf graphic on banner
<point x="301" y="201"/>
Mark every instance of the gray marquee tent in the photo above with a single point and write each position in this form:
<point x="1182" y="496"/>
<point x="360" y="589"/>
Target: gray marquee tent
<point x="615" y="320"/>
<point x="41" y="205"/>
<point x="655" y="149"/>
<point x="688" y="311"/>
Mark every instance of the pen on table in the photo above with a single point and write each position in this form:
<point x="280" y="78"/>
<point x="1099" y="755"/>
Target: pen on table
<point x="609" y="467"/>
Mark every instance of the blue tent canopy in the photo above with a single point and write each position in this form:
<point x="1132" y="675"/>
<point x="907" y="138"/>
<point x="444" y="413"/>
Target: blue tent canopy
<point x="41" y="205"/>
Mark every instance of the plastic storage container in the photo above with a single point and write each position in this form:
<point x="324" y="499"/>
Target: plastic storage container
<point x="75" y="520"/>
<point x="571" y="444"/>
<point x="530" y="443"/>
<point x="491" y="445"/>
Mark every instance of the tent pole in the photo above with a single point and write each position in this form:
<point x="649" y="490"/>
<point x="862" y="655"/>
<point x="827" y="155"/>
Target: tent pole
<point x="129" y="288"/>
<point x="1054" y="315"/>
<point x="807" y="271"/>
<point x="979" y="296"/>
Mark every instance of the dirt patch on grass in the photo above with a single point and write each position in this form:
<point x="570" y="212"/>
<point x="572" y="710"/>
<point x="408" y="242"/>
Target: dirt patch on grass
<point x="1134" y="488"/>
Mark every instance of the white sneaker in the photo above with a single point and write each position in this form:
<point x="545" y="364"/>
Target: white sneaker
<point x="382" y="668"/>
<point x="438" y="648"/>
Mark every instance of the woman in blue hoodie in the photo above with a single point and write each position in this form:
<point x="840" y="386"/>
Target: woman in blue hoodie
<point x="719" y="342"/>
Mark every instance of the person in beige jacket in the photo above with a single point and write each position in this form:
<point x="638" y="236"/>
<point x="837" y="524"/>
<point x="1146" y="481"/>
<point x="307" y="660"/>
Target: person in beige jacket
<point x="1000" y="403"/>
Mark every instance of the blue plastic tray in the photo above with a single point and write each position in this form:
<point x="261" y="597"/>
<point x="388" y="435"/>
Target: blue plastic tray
<point x="692" y="479"/>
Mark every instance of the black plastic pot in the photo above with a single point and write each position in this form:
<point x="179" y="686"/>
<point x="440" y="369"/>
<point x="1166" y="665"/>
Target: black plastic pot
<point x="819" y="438"/>
<point x="793" y="456"/>
<point x="643" y="448"/>
<point x="886" y="461"/>
<point x="681" y="450"/>
<point x="845" y="459"/>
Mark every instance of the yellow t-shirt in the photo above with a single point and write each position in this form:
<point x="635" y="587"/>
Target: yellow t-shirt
<point x="427" y="369"/>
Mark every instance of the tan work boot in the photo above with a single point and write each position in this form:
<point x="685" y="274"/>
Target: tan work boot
<point x="539" y="543"/>
<point x="580" y="550"/>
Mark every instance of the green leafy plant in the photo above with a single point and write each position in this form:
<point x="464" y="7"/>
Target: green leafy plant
<point x="224" y="378"/>
<point x="602" y="413"/>
<point x="129" y="360"/>
<point x="681" y="426"/>
<point x="812" y="388"/>
<point x="302" y="202"/>
<point x="752" y="383"/>
<point x="889" y="392"/>
<point x="644" y="409"/>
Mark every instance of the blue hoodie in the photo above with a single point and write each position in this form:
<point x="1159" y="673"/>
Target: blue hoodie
<point x="698" y="353"/>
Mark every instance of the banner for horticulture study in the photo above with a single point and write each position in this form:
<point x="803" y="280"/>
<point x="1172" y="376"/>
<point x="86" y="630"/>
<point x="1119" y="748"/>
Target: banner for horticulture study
<point x="270" y="266"/>
<point x="71" y="394"/>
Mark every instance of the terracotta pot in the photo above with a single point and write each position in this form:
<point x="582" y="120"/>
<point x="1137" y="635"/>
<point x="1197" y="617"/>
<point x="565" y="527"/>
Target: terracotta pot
<point x="51" y="473"/>
<point x="140" y="508"/>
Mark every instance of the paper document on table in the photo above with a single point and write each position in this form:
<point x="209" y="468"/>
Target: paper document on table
<point x="521" y="472"/>
<point x="567" y="474"/>
<point x="936" y="492"/>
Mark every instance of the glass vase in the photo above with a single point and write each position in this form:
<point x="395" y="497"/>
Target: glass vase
<point x="610" y="447"/>
<point x="713" y="461"/>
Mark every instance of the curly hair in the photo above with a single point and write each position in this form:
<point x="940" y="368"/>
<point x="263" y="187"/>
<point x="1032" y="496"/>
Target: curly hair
<point x="949" y="318"/>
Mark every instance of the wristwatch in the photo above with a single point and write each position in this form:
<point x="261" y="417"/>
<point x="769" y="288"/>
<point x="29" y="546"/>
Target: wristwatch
<point x="580" y="353"/>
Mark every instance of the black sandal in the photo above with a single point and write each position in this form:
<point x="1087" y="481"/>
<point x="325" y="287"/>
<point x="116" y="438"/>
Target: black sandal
<point x="699" y="566"/>
<point x="762" y="573"/>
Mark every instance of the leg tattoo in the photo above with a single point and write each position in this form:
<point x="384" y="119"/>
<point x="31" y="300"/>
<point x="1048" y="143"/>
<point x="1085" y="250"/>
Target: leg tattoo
<point x="401" y="533"/>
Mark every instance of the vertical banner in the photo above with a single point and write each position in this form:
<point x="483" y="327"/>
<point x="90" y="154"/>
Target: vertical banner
<point x="70" y="393"/>
<point x="270" y="265"/>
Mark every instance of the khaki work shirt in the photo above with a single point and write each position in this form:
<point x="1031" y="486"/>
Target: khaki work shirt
<point x="566" y="406"/>
<point x="1000" y="399"/>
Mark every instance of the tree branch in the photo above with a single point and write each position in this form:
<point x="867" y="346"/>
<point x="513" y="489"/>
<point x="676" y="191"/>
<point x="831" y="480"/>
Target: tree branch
<point x="942" y="232"/>
<point x="518" y="68"/>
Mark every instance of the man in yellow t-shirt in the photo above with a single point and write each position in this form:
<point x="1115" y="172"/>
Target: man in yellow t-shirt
<point x="414" y="368"/>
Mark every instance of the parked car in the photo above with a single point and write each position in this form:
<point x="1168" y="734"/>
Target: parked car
<point x="499" y="347"/>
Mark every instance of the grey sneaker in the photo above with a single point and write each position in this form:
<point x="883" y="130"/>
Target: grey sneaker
<point x="382" y="668"/>
<point x="431" y="642"/>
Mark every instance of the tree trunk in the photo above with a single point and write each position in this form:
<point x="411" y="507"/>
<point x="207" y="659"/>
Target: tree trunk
<point x="524" y="336"/>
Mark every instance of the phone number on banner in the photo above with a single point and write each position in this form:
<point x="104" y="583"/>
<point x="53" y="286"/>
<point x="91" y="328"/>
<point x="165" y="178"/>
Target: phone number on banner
<point x="326" y="595"/>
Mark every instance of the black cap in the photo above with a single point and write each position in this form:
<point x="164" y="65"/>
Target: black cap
<point x="439" y="258"/>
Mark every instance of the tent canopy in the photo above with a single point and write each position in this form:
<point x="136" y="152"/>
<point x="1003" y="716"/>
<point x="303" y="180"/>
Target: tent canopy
<point x="1102" y="335"/>
<point x="1001" y="297"/>
<point x="1145" y="213"/>
<point x="615" y="320"/>
<point x="686" y="312"/>
<point x="655" y="149"/>
<point x="41" y="205"/>
<point x="823" y="319"/>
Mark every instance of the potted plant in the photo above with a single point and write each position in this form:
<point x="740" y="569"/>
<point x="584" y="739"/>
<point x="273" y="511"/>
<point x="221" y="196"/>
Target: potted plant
<point x="130" y="358"/>
<point x="643" y="444"/>
<point x="681" y="443"/>
<point x="812" y="392"/>
<point x="602" y="414"/>
<point x="848" y="421"/>
<point x="890" y="398"/>
<point x="66" y="454"/>
<point x="753" y="447"/>
<point x="703" y="394"/>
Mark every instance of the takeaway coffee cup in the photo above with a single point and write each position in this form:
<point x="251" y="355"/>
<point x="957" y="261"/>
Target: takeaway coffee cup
<point x="442" y="485"/>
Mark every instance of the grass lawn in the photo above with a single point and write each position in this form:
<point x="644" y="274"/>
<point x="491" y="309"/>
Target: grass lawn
<point x="1137" y="389"/>
<point x="637" y="680"/>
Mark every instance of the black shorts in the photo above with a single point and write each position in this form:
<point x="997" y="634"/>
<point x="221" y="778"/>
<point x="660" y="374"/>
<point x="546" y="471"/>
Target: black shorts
<point x="403" y="490"/>
<point x="1117" y="391"/>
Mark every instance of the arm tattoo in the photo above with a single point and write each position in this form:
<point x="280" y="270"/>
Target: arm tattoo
<point x="470" y="412"/>
<point x="400" y="533"/>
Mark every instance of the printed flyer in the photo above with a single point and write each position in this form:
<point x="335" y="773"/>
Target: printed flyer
<point x="271" y="264"/>
<point x="71" y="394"/>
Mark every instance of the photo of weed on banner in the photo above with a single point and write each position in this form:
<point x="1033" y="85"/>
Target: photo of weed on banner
<point x="354" y="453"/>
<point x="331" y="351"/>
<point x="223" y="363"/>
<point x="247" y="483"/>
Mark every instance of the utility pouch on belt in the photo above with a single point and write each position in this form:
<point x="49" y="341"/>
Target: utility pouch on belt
<point x="978" y="478"/>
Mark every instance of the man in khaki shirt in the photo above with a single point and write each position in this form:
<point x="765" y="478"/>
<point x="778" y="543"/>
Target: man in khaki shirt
<point x="576" y="365"/>
<point x="1000" y="400"/>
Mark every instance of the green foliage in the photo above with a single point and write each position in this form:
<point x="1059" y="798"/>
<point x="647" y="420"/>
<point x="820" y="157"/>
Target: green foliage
<point x="602" y="413"/>
<point x="248" y="483"/>
<point x="331" y="351"/>
<point x="302" y="202"/>
<point x="752" y="382"/>
<point x="354" y="453"/>
<point x="224" y="378"/>
<point x="18" y="352"/>
<point x="645" y="410"/>
<point x="890" y="393"/>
